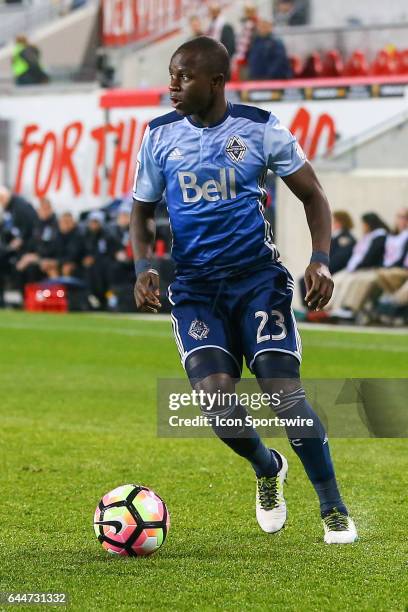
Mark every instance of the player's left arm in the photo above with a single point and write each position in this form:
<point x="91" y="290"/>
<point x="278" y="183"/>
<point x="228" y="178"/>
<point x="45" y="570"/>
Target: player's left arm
<point x="306" y="186"/>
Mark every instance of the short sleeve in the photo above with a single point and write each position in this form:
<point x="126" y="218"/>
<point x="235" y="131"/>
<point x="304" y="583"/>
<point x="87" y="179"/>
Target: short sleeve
<point x="283" y="154"/>
<point x="149" y="181"/>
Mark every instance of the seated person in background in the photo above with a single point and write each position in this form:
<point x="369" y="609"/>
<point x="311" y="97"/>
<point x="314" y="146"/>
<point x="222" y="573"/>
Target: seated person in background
<point x="341" y="246"/>
<point x="10" y="245"/>
<point x="41" y="247"/>
<point x="99" y="249"/>
<point x="343" y="241"/>
<point x="368" y="253"/>
<point x="69" y="248"/>
<point x="267" y="57"/>
<point x="394" y="284"/>
<point x="396" y="244"/>
<point x="393" y="273"/>
<point x="26" y="63"/>
<point x="20" y="214"/>
<point x="121" y="268"/>
<point x="18" y="220"/>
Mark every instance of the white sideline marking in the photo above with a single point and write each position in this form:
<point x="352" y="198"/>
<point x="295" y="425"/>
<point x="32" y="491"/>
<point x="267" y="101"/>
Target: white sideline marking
<point x="354" y="329"/>
<point x="86" y="329"/>
<point x="359" y="347"/>
<point x="130" y="317"/>
<point x="44" y="327"/>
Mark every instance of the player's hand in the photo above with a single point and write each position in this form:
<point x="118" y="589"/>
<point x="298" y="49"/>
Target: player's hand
<point x="147" y="292"/>
<point x="319" y="286"/>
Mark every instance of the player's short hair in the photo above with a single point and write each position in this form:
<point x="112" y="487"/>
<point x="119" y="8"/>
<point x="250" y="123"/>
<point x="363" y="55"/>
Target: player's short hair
<point x="213" y="55"/>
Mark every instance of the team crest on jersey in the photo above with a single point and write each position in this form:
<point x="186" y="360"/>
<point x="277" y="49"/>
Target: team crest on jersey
<point x="236" y="148"/>
<point x="198" y="330"/>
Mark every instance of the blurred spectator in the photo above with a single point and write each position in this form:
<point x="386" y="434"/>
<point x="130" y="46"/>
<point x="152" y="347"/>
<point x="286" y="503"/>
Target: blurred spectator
<point x="267" y="56"/>
<point x="26" y="66"/>
<point x="69" y="249"/>
<point x="220" y="29"/>
<point x="122" y="268"/>
<point x="7" y="254"/>
<point x="18" y="219"/>
<point x="396" y="244"/>
<point x="291" y="13"/>
<point x="247" y="33"/>
<point x="342" y="242"/>
<point x="390" y="276"/>
<point x="341" y="246"/>
<point x="99" y="250"/>
<point x="41" y="248"/>
<point x="19" y="216"/>
<point x="196" y="27"/>
<point x="394" y="283"/>
<point x="368" y="252"/>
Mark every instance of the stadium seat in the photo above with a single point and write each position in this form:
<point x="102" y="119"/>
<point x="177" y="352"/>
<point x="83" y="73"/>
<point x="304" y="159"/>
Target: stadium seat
<point x="357" y="65"/>
<point x="296" y="65"/>
<point x="333" y="65"/>
<point x="235" y="71"/>
<point x="402" y="62"/>
<point x="384" y="64"/>
<point x="313" y="66"/>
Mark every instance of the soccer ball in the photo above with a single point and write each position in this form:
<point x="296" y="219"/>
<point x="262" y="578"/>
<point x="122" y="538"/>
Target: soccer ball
<point x="132" y="521"/>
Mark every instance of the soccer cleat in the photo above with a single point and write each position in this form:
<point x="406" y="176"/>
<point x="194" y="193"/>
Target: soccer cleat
<point x="270" y="503"/>
<point x="339" y="528"/>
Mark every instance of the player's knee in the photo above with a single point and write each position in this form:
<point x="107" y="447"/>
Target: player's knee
<point x="273" y="364"/>
<point x="215" y="384"/>
<point x="277" y="372"/>
<point x="210" y="362"/>
<point x="216" y="395"/>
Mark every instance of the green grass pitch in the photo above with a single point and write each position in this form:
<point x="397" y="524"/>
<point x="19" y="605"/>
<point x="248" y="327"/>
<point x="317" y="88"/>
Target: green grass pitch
<point x="78" y="415"/>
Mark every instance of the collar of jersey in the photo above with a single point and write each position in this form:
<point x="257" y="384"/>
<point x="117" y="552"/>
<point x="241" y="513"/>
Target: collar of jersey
<point x="213" y="125"/>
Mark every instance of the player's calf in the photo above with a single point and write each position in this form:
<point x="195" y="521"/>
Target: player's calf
<point x="228" y="418"/>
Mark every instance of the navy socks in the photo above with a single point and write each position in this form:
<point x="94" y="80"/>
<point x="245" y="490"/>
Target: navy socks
<point x="309" y="443"/>
<point x="245" y="441"/>
<point x="312" y="447"/>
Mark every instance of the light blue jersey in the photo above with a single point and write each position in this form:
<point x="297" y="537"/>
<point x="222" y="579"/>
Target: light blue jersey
<point x="214" y="181"/>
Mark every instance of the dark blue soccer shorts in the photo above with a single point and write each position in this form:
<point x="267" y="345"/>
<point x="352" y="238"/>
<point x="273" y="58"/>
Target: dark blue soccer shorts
<point x="243" y="315"/>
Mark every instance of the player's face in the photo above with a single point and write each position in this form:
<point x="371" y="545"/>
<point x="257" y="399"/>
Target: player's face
<point x="191" y="87"/>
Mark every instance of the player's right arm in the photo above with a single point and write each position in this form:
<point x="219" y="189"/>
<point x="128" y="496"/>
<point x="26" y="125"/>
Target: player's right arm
<point x="147" y="192"/>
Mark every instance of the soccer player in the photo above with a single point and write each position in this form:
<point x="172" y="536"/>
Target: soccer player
<point x="232" y="296"/>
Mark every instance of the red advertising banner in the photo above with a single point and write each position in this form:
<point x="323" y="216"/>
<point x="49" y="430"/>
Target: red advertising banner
<point x="128" y="21"/>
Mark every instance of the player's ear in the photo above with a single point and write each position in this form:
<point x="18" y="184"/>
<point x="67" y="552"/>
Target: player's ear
<point x="218" y="80"/>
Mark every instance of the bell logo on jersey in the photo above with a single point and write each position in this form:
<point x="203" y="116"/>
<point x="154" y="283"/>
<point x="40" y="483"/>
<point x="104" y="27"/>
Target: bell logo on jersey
<point x="212" y="190"/>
